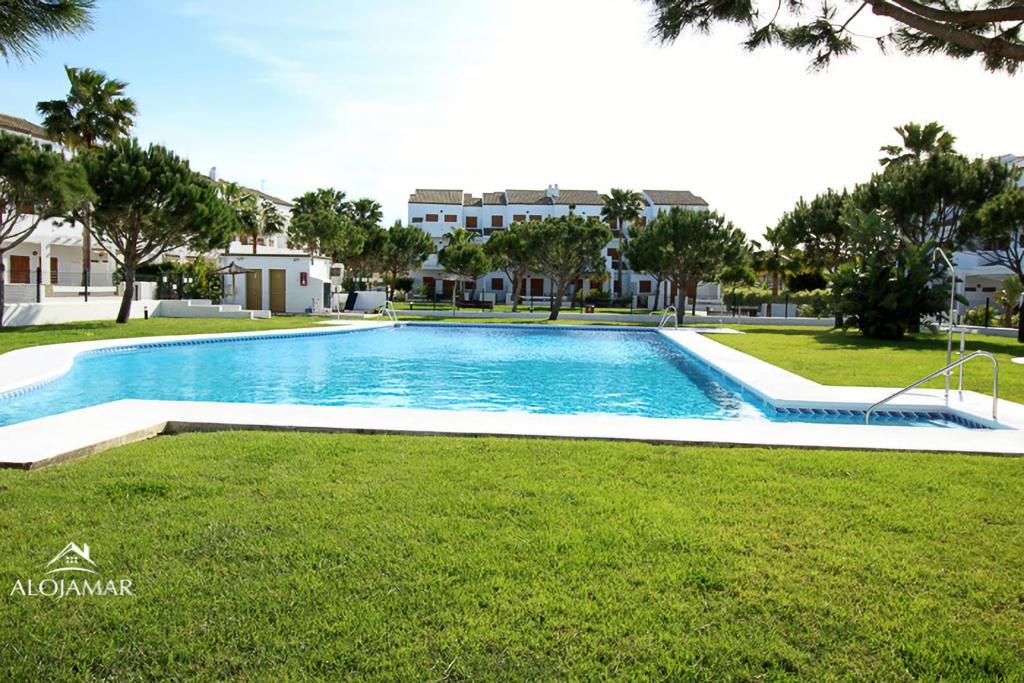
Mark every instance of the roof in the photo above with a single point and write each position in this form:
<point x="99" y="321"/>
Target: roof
<point x="268" y="197"/>
<point x="565" y="197"/>
<point x="470" y="200"/>
<point x="259" y="193"/>
<point x="674" y="198"/>
<point x="436" y="197"/>
<point x="494" y="198"/>
<point x="13" y="123"/>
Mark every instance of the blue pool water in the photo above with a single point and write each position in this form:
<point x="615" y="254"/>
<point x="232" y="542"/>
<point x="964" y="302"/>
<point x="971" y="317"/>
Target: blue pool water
<point x="489" y="368"/>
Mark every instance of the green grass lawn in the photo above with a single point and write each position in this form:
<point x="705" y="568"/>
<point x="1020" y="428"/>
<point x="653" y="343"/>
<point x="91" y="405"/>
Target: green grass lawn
<point x="275" y="556"/>
<point x="836" y="357"/>
<point x="34" y="335"/>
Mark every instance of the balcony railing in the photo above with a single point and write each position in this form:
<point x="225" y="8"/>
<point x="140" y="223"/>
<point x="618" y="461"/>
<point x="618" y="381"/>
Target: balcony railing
<point x="60" y="278"/>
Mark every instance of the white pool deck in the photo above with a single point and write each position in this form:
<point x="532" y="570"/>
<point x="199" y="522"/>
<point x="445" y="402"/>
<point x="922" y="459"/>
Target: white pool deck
<point x="81" y="432"/>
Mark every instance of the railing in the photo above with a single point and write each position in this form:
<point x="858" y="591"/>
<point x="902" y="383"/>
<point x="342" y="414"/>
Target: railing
<point x="945" y="371"/>
<point x="61" y="278"/>
<point x="389" y="310"/>
<point x="670" y="314"/>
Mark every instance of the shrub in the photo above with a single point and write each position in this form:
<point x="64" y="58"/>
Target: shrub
<point x="976" y="316"/>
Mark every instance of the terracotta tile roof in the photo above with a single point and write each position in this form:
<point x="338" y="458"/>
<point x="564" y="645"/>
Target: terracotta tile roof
<point x="260" y="194"/>
<point x="14" y="124"/>
<point x="470" y="200"/>
<point x="674" y="198"/>
<point x="436" y="197"/>
<point x="565" y="197"/>
<point x="494" y="199"/>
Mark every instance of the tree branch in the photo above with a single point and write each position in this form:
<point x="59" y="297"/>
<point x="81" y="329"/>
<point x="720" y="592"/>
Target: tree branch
<point x="965" y="39"/>
<point x="978" y="17"/>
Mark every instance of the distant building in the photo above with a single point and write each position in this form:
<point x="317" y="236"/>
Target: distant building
<point x="982" y="279"/>
<point x="440" y="211"/>
<point x="49" y="263"/>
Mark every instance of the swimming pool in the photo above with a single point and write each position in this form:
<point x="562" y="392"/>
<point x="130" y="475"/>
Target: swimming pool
<point x="634" y="372"/>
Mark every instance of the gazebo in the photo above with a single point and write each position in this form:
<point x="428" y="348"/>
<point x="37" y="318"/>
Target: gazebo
<point x="233" y="269"/>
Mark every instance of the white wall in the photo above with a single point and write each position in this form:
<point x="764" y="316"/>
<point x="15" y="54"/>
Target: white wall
<point x="57" y="311"/>
<point x="441" y="227"/>
<point x="298" y="297"/>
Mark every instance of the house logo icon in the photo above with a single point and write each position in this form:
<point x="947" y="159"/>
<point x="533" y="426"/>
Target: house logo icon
<point x="72" y="559"/>
<point x="72" y="573"/>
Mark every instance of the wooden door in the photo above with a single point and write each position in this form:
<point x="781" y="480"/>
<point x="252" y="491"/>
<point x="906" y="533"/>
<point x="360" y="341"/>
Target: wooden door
<point x="53" y="270"/>
<point x="537" y="286"/>
<point x="21" y="268"/>
<point x="254" y="290"/>
<point x="277" y="290"/>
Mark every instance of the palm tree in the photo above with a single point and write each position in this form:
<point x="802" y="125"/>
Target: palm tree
<point x="24" y="22"/>
<point x="622" y="206"/>
<point x="94" y="113"/>
<point x="776" y="260"/>
<point x="258" y="217"/>
<point x="365" y="212"/>
<point x="919" y="142"/>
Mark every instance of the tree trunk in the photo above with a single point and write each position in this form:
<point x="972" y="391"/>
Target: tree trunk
<point x="517" y="286"/>
<point x="129" y="293"/>
<point x="680" y="308"/>
<point x="1020" y="315"/>
<point x="618" y="270"/>
<point x="254" y="236"/>
<point x="87" y="249"/>
<point x="2" y="294"/>
<point x="775" y="285"/>
<point x="556" y="302"/>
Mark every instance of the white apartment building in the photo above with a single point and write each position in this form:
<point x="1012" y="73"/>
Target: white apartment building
<point x="49" y="263"/>
<point x="440" y="211"/>
<point x="981" y="278"/>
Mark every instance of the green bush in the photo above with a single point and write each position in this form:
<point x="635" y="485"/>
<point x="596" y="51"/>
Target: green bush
<point x="891" y="285"/>
<point x="976" y="316"/>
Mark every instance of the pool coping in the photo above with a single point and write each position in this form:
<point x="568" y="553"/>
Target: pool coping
<point x="61" y="437"/>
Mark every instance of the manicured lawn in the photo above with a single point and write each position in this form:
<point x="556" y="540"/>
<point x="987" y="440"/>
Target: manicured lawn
<point x="835" y="357"/>
<point x="34" y="335"/>
<point x="276" y="556"/>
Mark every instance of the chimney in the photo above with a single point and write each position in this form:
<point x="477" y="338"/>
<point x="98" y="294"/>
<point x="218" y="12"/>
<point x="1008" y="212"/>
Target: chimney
<point x="213" y="173"/>
<point x="552" y="192"/>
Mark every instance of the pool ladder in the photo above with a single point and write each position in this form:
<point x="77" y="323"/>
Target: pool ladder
<point x="670" y="314"/>
<point x="959" y="362"/>
<point x="388" y="309"/>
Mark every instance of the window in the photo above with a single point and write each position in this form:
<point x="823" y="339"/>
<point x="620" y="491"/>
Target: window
<point x="417" y="219"/>
<point x="613" y="252"/>
<point x="645" y="286"/>
<point x="497" y="221"/>
<point x="470" y="221"/>
<point x="497" y="284"/>
<point x="535" y="218"/>
<point x="451" y="218"/>
<point x="431" y="217"/>
<point x="519" y="218"/>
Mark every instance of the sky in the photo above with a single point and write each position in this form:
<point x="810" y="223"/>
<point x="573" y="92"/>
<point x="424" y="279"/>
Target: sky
<point x="379" y="98"/>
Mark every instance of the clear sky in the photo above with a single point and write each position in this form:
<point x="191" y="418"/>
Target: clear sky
<point x="378" y="98"/>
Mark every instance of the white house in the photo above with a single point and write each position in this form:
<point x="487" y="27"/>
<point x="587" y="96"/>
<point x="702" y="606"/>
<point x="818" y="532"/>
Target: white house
<point x="440" y="211"/>
<point x="983" y="279"/>
<point x="49" y="263"/>
<point x="281" y="283"/>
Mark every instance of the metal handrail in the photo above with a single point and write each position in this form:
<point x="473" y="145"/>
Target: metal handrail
<point x="952" y="311"/>
<point x="670" y="314"/>
<point x="388" y="309"/>
<point x="944" y="371"/>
